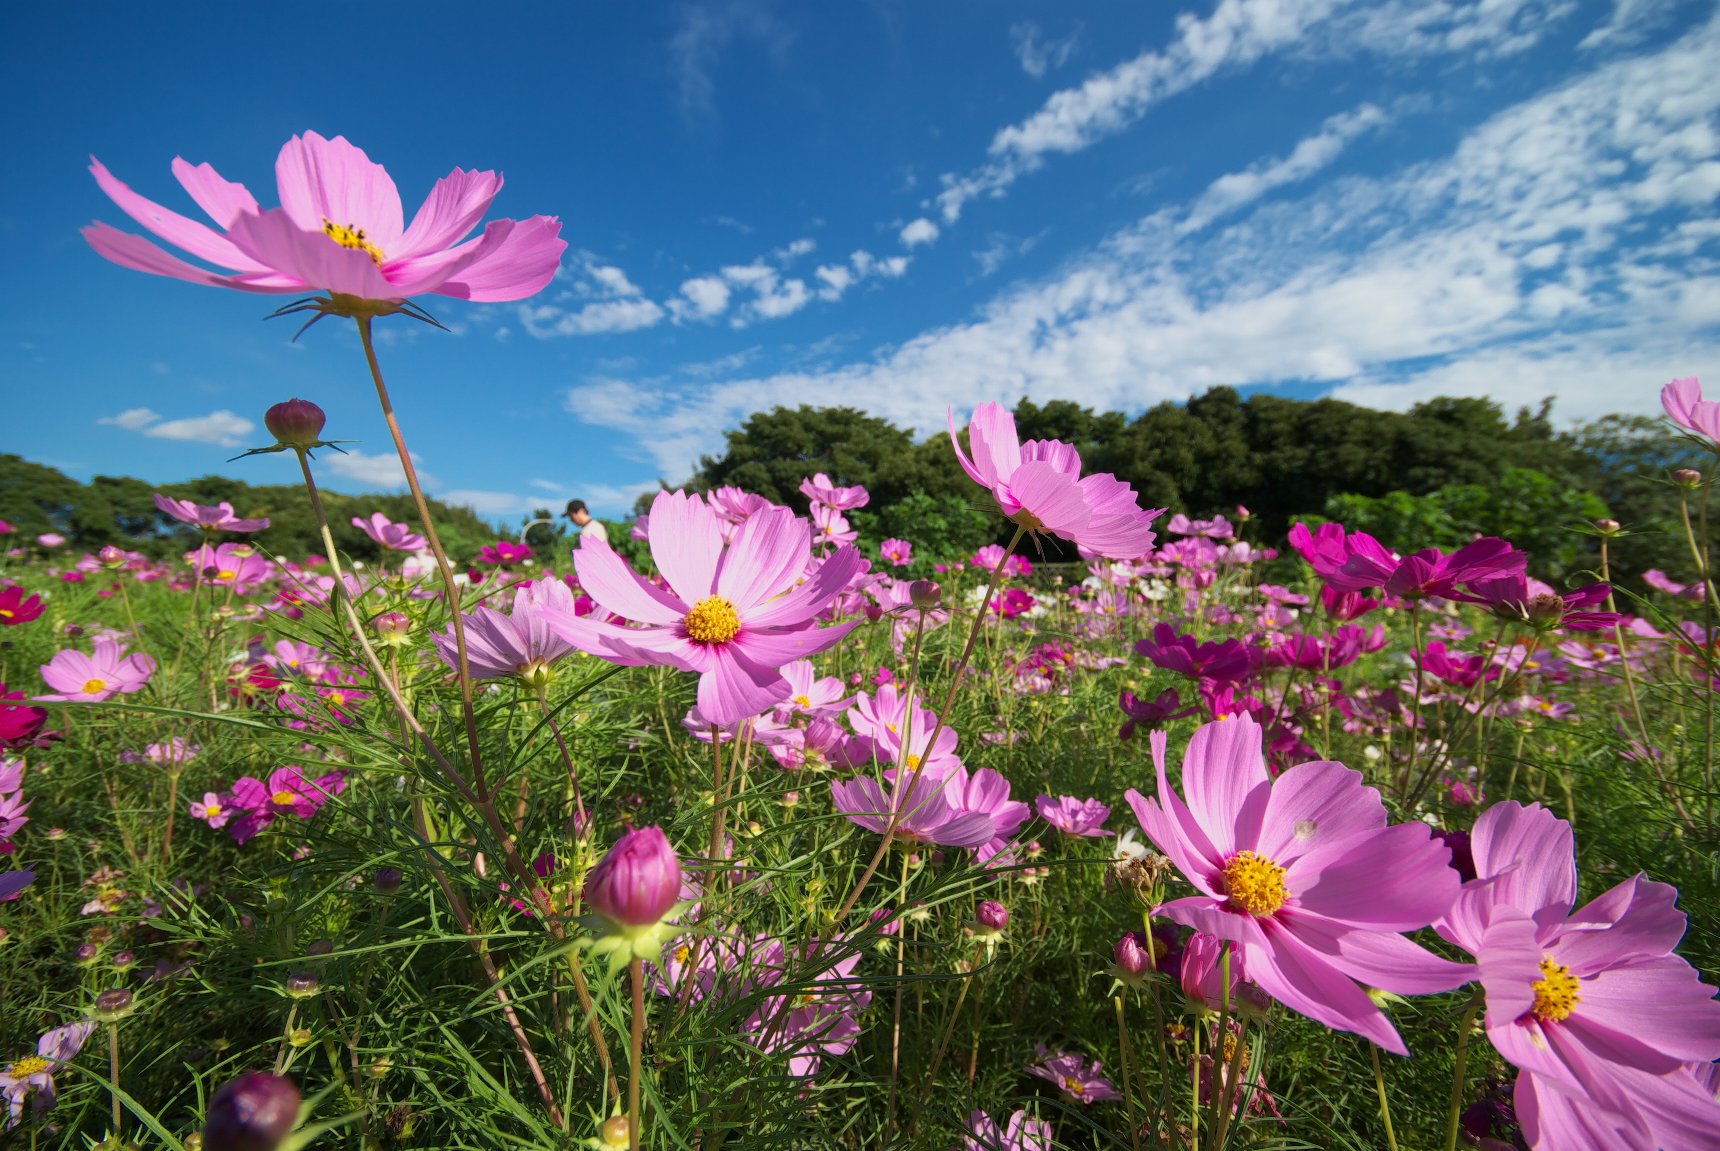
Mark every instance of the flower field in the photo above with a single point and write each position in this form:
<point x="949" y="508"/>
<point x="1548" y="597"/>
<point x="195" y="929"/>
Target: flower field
<point x="733" y="834"/>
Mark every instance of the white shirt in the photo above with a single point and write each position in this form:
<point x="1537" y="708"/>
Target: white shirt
<point x="593" y="531"/>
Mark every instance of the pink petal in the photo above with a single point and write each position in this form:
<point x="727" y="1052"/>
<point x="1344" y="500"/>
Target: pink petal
<point x="1662" y="1003"/>
<point x="767" y="556"/>
<point x="1397" y="879"/>
<point x="516" y="259"/>
<point x="140" y="255"/>
<point x="967" y="464"/>
<point x="1052" y="497"/>
<point x="1680" y="398"/>
<point x="198" y="239"/>
<point x="273" y="239"/>
<point x="453" y="208"/>
<point x="1314" y="804"/>
<point x="609" y="580"/>
<point x="1225" y="782"/>
<point x="686" y="543"/>
<point x="1215" y="919"/>
<point x="1637" y="918"/>
<point x="1296" y="976"/>
<point x="735" y="688"/>
<point x="996" y="448"/>
<point x="222" y="199"/>
<point x="1166" y="836"/>
<point x="813" y="596"/>
<point x="1532" y="851"/>
<point x="1551" y="1119"/>
<point x="332" y="181"/>
<point x="773" y="649"/>
<point x="1379" y="959"/>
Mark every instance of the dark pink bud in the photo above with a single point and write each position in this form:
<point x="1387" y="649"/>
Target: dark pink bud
<point x="1687" y="478"/>
<point x="925" y="594"/>
<point x="638" y="881"/>
<point x="111" y="557"/>
<point x="874" y="613"/>
<point x="1607" y="527"/>
<point x="1131" y="957"/>
<point x="295" y="423"/>
<point x="992" y="915"/>
<point x="251" y="1113"/>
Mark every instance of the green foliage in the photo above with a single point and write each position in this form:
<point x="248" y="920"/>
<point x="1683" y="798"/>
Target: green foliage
<point x="941" y="528"/>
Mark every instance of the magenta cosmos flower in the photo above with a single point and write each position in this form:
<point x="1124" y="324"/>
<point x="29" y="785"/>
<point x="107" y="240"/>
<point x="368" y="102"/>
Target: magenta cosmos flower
<point x="103" y="674"/>
<point x="734" y="612"/>
<point x="1038" y="485"/>
<point x="1592" y="1005"/>
<point x="17" y="608"/>
<point x="211" y="518"/>
<point x="1073" y="816"/>
<point x="393" y="536"/>
<point x="1079" y="1078"/>
<point x="340" y="228"/>
<point x="1302" y="875"/>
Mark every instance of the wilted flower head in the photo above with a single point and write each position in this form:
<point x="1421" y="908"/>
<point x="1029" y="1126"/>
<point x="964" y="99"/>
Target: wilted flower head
<point x="1078" y="1078"/>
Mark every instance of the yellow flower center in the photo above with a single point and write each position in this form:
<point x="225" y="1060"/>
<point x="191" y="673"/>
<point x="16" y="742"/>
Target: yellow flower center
<point x="212" y="810"/>
<point x="226" y="575"/>
<point x="336" y="699"/>
<point x="712" y="620"/>
<point x="92" y="686"/>
<point x="1074" y="1086"/>
<point x="913" y="762"/>
<point x="348" y="236"/>
<point x="6" y="613"/>
<point x="802" y="701"/>
<point x="284" y="798"/>
<point x="1255" y="883"/>
<point x="682" y="952"/>
<point x="1555" y="992"/>
<point x="28" y="1066"/>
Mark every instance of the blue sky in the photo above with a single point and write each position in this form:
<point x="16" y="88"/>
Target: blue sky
<point x="893" y="205"/>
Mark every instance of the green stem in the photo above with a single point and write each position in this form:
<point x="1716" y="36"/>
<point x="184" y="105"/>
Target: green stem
<point x="1380" y="1086"/>
<point x="636" y="971"/>
<point x="1455" y="1111"/>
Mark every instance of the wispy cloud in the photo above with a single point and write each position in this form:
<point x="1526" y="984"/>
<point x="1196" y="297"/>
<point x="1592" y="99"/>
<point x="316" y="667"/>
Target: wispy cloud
<point x="703" y="32"/>
<point x="597" y="297"/>
<point x="379" y="472"/>
<point x="920" y="231"/>
<point x="1038" y="55"/>
<point x="223" y="427"/>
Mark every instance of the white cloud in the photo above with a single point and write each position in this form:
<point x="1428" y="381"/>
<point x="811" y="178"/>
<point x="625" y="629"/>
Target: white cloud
<point x="701" y="298"/>
<point x="376" y="472"/>
<point x="600" y="299"/>
<point x="1230" y="192"/>
<point x="1001" y="248"/>
<point x="1564" y="246"/>
<point x="892" y="268"/>
<point x="920" y="231"/>
<point x="223" y="427"/>
<point x="835" y="278"/>
<point x="132" y="419"/>
<point x="1236" y="34"/>
<point x="1631" y="21"/>
<point x="1040" y="56"/>
<point x="769" y="296"/>
<point x="486" y="503"/>
<point x="794" y="250"/>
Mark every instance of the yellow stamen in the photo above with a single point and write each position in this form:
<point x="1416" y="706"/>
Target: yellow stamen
<point x="802" y="701"/>
<point x="212" y="810"/>
<point x="712" y="620"/>
<point x="6" y="613"/>
<point x="1555" y="992"/>
<point x="348" y="236"/>
<point x="28" y="1066"/>
<point x="93" y="686"/>
<point x="1255" y="883"/>
<point x="1074" y="1087"/>
<point x="913" y="763"/>
<point x="284" y="798"/>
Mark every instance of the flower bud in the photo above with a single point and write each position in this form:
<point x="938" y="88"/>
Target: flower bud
<point x="392" y="627"/>
<point x="111" y="557"/>
<point x="615" y="1132"/>
<point x="112" y="1005"/>
<point x="925" y="594"/>
<point x="1607" y="527"/>
<point x="874" y="613"/>
<point x="388" y="879"/>
<point x="992" y="915"/>
<point x="637" y="882"/>
<point x="251" y="1113"/>
<point x="86" y="954"/>
<point x="303" y="985"/>
<point x="1131" y="956"/>
<point x="1687" y="478"/>
<point x="295" y="424"/>
<point x="123" y="961"/>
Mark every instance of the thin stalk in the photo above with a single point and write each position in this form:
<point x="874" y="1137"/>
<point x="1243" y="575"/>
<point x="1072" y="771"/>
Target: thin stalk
<point x="1420" y="674"/>
<point x="896" y="1019"/>
<point x="1194" y="1089"/>
<point x="1385" y="1108"/>
<point x="1229" y="1087"/>
<point x="113" y="1076"/>
<point x="943" y="1046"/>
<point x="567" y="761"/>
<point x="1128" y="1084"/>
<point x="1454" y="1113"/>
<point x="1218" y="1038"/>
<point x="636" y="1052"/>
<point x="450" y="589"/>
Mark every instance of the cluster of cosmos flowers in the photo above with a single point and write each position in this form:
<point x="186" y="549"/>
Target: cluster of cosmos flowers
<point x="1296" y="886"/>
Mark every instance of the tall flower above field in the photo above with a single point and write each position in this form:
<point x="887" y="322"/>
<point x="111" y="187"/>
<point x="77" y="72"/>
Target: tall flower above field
<point x="734" y="611"/>
<point x="340" y="229"/>
<point x="1038" y="485"/>
<point x="1302" y="876"/>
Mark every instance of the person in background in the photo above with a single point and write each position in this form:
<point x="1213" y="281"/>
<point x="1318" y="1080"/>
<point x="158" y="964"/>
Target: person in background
<point x="589" y="529"/>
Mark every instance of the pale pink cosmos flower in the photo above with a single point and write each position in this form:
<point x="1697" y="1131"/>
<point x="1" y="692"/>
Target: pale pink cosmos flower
<point x="106" y="672"/>
<point x="340" y="228"/>
<point x="214" y="809"/>
<point x="809" y="693"/>
<point x="1021" y="1133"/>
<point x="393" y="536"/>
<point x="34" y="1074"/>
<point x="900" y="553"/>
<point x="1302" y="875"/>
<point x="1683" y="401"/>
<point x="1038" y="486"/>
<point x="821" y="489"/>
<point x="524" y="644"/>
<point x="831" y="527"/>
<point x="211" y="518"/>
<point x="1605" y="1022"/>
<point x="734" y="611"/>
<point x="1078" y="1078"/>
<point x="1073" y="816"/>
<point x="231" y="565"/>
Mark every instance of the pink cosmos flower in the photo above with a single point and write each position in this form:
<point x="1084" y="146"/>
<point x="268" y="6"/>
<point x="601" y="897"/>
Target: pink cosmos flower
<point x="51" y="539"/>
<point x="817" y="1014"/>
<point x="890" y="731"/>
<point x="524" y="644"/>
<point x="34" y="1074"/>
<point x="820" y="489"/>
<point x="1020" y="1134"/>
<point x="1078" y="1078"/>
<point x="287" y="792"/>
<point x="1218" y="661"/>
<point x="1217" y="528"/>
<point x="1074" y="816"/>
<point x="15" y="608"/>
<point x="215" y="809"/>
<point x="237" y="566"/>
<point x="811" y="695"/>
<point x="931" y="805"/>
<point x="1684" y="404"/>
<point x="172" y="754"/>
<point x="217" y="518"/>
<point x="734" y="612"/>
<point x="830" y="527"/>
<point x="1605" y="1022"/>
<point x="1659" y="581"/>
<point x="1516" y="598"/>
<point x="1302" y="875"/>
<point x="19" y="723"/>
<point x="1453" y="667"/>
<point x="900" y="553"/>
<point x="106" y="672"/>
<point x="340" y="228"/>
<point x="503" y="553"/>
<point x="1038" y="486"/>
<point x="393" y="536"/>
